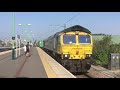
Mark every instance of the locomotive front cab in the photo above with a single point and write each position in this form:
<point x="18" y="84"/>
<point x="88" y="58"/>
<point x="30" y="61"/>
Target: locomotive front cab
<point x="76" y="45"/>
<point x="85" y="41"/>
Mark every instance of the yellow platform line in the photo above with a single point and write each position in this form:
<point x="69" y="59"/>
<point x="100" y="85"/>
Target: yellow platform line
<point x="50" y="72"/>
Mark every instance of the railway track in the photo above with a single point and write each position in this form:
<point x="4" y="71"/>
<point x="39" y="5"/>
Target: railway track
<point x="82" y="75"/>
<point x="96" y="72"/>
<point x="4" y="49"/>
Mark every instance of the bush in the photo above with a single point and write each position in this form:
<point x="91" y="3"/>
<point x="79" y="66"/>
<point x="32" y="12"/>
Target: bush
<point x="101" y="50"/>
<point x="114" y="48"/>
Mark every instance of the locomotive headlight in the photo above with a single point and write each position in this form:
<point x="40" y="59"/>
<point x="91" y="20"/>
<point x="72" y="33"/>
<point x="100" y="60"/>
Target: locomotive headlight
<point x="88" y="55"/>
<point x="66" y="56"/>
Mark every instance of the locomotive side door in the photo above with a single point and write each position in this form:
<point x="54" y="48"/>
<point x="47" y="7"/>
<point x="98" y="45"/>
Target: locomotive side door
<point x="56" y="43"/>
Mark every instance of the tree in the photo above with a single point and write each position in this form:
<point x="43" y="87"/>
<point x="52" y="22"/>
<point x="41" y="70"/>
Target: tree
<point x="101" y="50"/>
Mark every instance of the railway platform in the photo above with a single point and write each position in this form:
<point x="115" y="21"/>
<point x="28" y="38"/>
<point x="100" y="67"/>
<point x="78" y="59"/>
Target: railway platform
<point x="38" y="65"/>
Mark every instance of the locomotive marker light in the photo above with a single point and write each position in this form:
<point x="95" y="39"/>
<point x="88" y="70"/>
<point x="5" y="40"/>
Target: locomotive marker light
<point x="88" y="55"/>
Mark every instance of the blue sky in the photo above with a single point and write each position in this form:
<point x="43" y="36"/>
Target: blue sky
<point x="44" y="24"/>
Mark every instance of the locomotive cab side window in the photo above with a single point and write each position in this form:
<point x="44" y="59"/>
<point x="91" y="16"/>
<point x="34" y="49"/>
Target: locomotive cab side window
<point x="58" y="39"/>
<point x="84" y="39"/>
<point x="69" y="39"/>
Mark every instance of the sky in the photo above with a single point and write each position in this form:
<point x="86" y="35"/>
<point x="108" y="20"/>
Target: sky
<point x="44" y="24"/>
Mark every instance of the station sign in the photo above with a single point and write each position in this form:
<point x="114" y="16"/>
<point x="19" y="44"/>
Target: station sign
<point x="13" y="38"/>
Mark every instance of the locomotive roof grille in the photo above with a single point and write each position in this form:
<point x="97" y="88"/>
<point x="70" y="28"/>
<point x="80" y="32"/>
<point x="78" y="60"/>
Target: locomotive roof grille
<point x="75" y="28"/>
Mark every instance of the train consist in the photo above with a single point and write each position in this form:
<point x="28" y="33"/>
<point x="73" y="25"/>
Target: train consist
<point x="71" y="47"/>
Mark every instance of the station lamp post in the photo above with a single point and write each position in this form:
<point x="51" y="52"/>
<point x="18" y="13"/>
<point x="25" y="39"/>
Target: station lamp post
<point x="30" y="35"/>
<point x="13" y="36"/>
<point x="24" y="25"/>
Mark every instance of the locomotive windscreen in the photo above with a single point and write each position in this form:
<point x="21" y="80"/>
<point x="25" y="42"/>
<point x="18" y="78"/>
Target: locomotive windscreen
<point x="69" y="39"/>
<point x="84" y="39"/>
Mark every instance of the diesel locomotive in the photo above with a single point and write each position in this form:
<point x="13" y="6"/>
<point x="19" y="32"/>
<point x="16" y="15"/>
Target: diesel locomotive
<point x="72" y="48"/>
